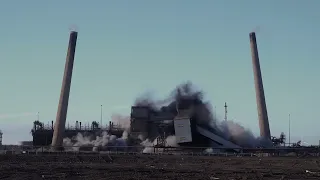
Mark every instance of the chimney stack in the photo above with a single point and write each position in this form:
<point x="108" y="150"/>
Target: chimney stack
<point x="59" y="127"/>
<point x="261" y="102"/>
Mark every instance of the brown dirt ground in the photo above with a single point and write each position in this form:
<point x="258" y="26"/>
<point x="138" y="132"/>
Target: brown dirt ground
<point x="137" y="167"/>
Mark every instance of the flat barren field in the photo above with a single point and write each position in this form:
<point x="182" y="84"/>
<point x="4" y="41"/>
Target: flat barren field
<point x="123" y="167"/>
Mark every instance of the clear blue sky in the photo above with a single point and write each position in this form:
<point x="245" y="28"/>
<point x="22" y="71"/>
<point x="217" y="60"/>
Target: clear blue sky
<point x="128" y="47"/>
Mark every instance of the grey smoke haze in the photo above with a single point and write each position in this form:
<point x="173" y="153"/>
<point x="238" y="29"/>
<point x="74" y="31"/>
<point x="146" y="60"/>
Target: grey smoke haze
<point x="103" y="140"/>
<point x="238" y="134"/>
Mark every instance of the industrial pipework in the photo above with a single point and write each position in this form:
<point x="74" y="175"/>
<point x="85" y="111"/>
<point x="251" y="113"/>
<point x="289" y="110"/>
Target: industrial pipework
<point x="261" y="102"/>
<point x="59" y="126"/>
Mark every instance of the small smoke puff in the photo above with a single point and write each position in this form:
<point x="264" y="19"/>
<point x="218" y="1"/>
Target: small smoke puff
<point x="148" y="146"/>
<point x="171" y="141"/>
<point x="257" y="29"/>
<point x="73" y="27"/>
<point x="208" y="150"/>
<point x="125" y="135"/>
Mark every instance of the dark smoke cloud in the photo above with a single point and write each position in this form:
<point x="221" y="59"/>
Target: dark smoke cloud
<point x="186" y="96"/>
<point x="148" y="100"/>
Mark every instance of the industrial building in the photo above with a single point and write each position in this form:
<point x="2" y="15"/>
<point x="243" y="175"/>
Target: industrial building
<point x="182" y="122"/>
<point x="42" y="134"/>
<point x="181" y="118"/>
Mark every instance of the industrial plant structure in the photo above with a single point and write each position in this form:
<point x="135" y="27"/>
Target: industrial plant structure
<point x="182" y="118"/>
<point x="179" y="119"/>
<point x="42" y="134"/>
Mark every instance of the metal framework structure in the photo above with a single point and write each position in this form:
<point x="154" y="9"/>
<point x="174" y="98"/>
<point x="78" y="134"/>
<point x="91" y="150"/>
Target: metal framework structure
<point x="161" y="140"/>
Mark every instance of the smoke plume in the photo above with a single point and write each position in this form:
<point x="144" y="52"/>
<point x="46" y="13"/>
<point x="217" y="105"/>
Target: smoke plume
<point x="186" y="96"/>
<point x="101" y="142"/>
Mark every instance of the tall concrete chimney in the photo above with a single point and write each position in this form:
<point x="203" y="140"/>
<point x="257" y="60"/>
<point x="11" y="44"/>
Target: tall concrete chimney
<point x="261" y="102"/>
<point x="60" y="123"/>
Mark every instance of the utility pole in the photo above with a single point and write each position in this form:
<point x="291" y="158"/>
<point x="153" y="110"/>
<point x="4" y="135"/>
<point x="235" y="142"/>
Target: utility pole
<point x="289" y="130"/>
<point x="225" y="111"/>
<point x="101" y="117"/>
<point x="38" y="119"/>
